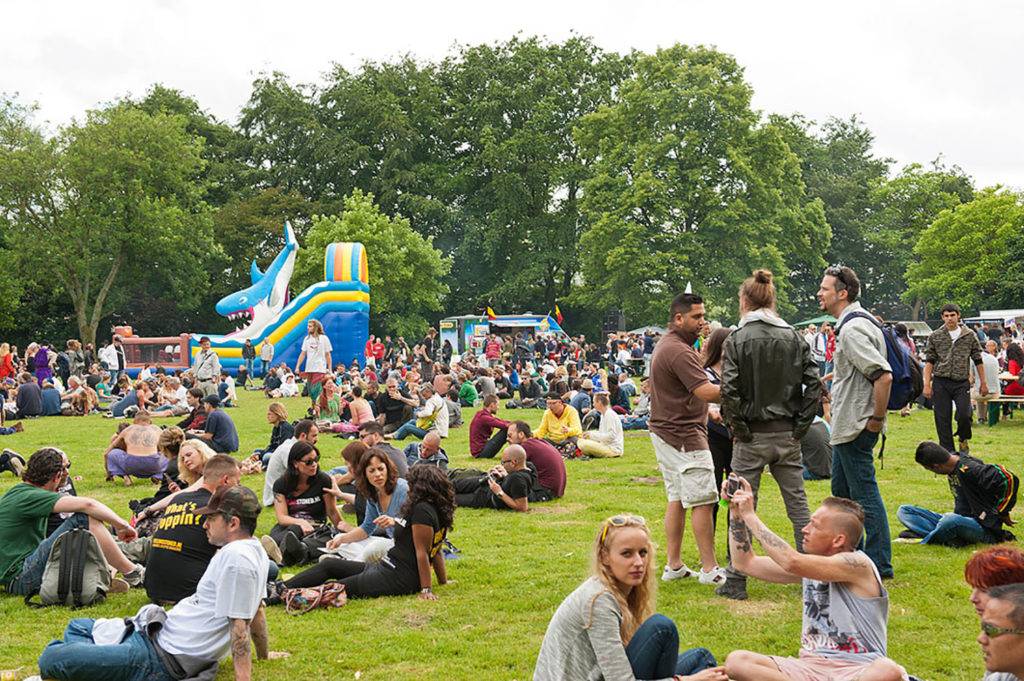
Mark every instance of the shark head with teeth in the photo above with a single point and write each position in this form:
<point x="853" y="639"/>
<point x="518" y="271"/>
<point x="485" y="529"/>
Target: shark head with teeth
<point x="259" y="304"/>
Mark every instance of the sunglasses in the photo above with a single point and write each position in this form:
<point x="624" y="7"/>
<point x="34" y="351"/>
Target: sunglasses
<point x="620" y="521"/>
<point x="310" y="462"/>
<point x="835" y="271"/>
<point x="993" y="631"/>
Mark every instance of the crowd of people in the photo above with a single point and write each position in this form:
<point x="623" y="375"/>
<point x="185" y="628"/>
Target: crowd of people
<point x="720" y="405"/>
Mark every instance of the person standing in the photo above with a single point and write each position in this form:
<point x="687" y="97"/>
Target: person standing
<point x="115" y="360"/>
<point x="206" y="367"/>
<point x="266" y="358"/>
<point x="427" y="353"/>
<point x="860" y="394"/>
<point x="680" y="392"/>
<point x="947" y="370"/>
<point x="316" y="350"/>
<point x="770" y="389"/>
<point x="248" y="356"/>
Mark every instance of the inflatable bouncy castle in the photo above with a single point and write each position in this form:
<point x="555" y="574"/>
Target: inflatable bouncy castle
<point x="341" y="303"/>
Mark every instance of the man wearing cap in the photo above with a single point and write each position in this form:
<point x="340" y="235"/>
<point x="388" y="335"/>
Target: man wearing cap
<point x="582" y="401"/>
<point x="206" y="367"/>
<point x="223" y="616"/>
<point x="219" y="430"/>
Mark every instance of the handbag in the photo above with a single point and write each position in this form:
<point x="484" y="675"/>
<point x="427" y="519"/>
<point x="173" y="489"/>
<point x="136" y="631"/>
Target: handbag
<point x="303" y="600"/>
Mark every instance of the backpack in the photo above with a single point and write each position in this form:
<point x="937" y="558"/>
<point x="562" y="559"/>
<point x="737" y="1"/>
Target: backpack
<point x="76" y="573"/>
<point x="907" y="378"/>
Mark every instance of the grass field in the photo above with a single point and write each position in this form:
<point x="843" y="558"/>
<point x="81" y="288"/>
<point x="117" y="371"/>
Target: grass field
<point x="516" y="568"/>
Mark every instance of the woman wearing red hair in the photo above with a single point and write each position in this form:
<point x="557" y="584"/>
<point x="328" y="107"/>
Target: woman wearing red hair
<point x="995" y="566"/>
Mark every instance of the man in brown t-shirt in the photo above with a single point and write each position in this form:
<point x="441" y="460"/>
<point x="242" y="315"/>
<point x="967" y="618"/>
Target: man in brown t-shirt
<point x="680" y="391"/>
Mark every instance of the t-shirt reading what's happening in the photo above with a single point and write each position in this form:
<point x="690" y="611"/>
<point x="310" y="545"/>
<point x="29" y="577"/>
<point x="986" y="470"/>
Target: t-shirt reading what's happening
<point x="180" y="551"/>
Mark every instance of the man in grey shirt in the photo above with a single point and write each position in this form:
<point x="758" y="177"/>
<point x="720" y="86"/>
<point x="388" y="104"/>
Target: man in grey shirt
<point x="860" y="394"/>
<point x="1002" y="622"/>
<point x="845" y="605"/>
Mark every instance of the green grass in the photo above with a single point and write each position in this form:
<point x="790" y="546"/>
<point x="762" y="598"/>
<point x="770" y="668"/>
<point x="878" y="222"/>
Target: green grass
<point x="516" y="568"/>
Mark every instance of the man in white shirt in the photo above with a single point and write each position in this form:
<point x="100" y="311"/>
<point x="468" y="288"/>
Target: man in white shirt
<point x="991" y="366"/>
<point x="433" y="415"/>
<point x="304" y="430"/>
<point x="607" y="441"/>
<point x="223" y="616"/>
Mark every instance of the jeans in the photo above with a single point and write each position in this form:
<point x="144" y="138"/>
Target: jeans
<point x="652" y="651"/>
<point x="853" y="477"/>
<point x="493" y="444"/>
<point x="634" y="423"/>
<point x="248" y="366"/>
<point x="409" y="428"/>
<point x="948" y="529"/>
<point x="31" y="576"/>
<point x="78" y="658"/>
<point x="946" y="393"/>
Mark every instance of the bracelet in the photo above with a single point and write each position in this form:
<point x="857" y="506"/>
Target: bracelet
<point x="426" y="590"/>
<point x="876" y="418"/>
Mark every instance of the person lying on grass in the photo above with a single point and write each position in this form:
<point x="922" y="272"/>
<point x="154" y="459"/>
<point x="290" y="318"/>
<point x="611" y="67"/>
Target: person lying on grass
<point x="420" y="531"/>
<point x="607" y="627"/>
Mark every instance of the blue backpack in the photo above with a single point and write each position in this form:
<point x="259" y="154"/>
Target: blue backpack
<point x="907" y="377"/>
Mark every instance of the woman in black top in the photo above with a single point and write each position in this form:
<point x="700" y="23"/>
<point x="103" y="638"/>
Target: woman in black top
<point x="277" y="416"/>
<point x="302" y="500"/>
<point x="424" y="522"/>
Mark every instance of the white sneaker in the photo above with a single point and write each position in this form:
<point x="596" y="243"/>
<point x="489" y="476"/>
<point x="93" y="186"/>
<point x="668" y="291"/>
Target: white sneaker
<point x="682" y="572"/>
<point x="716" y="577"/>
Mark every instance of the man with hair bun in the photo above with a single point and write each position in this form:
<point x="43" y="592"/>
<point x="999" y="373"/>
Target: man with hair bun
<point x="770" y="391"/>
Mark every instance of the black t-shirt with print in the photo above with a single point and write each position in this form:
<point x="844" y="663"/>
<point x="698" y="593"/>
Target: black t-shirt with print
<point x="403" y="554"/>
<point x="310" y="504"/>
<point x="180" y="551"/>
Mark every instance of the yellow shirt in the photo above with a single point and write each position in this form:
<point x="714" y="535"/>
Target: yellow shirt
<point x="551" y="425"/>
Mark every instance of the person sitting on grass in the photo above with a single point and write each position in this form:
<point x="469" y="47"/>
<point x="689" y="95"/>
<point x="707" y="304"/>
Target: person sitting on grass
<point x="219" y="430"/>
<point x="139" y="396"/>
<point x="560" y="424"/>
<point x="427" y="452"/>
<point x="133" y="452"/>
<point x="545" y="459"/>
<point x="24" y="512"/>
<point x="421" y="527"/>
<point x="607" y="627"/>
<point x="467" y="391"/>
<point x="1003" y="614"/>
<point x="482" y="444"/>
<point x="193" y="455"/>
<point x="305" y="429"/>
<point x="223" y="616"/>
<point x="433" y="415"/>
<point x="607" y="441"/>
<point x="983" y="496"/>
<point x="504" y="487"/>
<point x="846" y="608"/>
<point x="377" y="482"/>
<point x="181" y="551"/>
<point x="302" y="502"/>
<point x="282" y="429"/>
<point x="994" y="566"/>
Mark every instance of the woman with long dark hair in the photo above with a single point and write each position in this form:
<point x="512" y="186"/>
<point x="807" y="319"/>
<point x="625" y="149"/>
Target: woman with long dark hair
<point x="607" y="627"/>
<point x="719" y="437"/>
<point x="423" y="522"/>
<point x="376" y="480"/>
<point x="302" y="502"/>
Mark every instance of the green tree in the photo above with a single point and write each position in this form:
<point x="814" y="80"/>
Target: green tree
<point x="838" y="167"/>
<point x="963" y="255"/>
<point x="688" y="186"/>
<point x="106" y="207"/>
<point x="406" y="272"/>
<point x="902" y="209"/>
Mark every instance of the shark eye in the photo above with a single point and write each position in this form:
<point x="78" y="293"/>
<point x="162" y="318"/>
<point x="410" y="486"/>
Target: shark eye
<point x="243" y="299"/>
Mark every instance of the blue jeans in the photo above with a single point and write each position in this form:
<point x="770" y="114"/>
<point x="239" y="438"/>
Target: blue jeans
<point x="78" y="658"/>
<point x="248" y="367"/>
<point x="31" y="576"/>
<point x="853" y="477"/>
<point x="409" y="428"/>
<point x="634" y="423"/>
<point x="652" y="651"/>
<point x="947" y="529"/>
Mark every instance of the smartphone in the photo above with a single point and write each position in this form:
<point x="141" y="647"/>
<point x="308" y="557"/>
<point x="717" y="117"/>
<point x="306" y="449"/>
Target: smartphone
<point x="732" y="484"/>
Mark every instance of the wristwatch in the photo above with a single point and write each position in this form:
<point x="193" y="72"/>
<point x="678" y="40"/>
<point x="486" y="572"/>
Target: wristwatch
<point x="426" y="590"/>
<point x="501" y="492"/>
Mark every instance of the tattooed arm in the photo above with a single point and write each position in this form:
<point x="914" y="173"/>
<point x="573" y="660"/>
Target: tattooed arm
<point x="258" y="631"/>
<point x="241" y="649"/>
<point x="743" y="557"/>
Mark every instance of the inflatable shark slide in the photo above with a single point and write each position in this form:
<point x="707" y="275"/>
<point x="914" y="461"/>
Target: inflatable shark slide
<point x="341" y="303"/>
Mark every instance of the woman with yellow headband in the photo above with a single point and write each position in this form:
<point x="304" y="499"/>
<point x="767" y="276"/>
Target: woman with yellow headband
<point x="607" y="628"/>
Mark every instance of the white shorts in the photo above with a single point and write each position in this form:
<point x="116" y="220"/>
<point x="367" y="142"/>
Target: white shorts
<point x="689" y="476"/>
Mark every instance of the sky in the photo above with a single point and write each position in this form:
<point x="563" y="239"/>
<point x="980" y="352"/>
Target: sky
<point x="929" y="79"/>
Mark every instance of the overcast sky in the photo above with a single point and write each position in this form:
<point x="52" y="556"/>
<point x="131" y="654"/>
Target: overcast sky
<point x="928" y="78"/>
